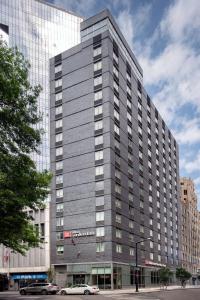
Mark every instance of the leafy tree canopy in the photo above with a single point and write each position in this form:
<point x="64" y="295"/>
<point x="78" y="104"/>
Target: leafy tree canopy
<point x="183" y="274"/>
<point x="21" y="185"/>
<point x="165" y="274"/>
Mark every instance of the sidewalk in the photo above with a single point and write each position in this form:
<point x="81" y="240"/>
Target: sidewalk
<point x="147" y="290"/>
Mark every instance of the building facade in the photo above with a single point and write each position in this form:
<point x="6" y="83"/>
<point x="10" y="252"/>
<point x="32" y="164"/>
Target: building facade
<point x="40" y="31"/>
<point x="190" y="227"/>
<point x="115" y="166"/>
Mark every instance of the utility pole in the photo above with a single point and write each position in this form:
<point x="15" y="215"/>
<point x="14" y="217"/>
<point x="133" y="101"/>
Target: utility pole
<point x="136" y="263"/>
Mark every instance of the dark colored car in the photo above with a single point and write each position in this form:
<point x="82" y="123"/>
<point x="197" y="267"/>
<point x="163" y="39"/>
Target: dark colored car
<point x="40" y="288"/>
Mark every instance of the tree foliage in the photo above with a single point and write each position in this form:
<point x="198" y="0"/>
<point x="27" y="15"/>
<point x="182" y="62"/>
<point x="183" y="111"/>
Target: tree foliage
<point x="21" y="185"/>
<point x="183" y="275"/>
<point x="165" y="274"/>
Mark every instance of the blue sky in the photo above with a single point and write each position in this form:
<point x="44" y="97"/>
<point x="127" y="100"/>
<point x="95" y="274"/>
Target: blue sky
<point x="165" y="37"/>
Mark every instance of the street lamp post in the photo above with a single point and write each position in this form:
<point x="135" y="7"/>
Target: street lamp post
<point x="136" y="263"/>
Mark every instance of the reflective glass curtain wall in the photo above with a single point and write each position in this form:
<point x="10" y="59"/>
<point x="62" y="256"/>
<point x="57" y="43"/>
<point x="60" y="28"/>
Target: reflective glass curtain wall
<point x="40" y="31"/>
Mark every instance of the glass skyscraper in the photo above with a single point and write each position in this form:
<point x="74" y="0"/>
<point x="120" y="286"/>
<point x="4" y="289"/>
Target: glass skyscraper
<point x="40" y="31"/>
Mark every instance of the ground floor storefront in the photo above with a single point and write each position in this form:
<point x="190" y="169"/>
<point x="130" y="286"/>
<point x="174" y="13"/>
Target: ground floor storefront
<point x="18" y="280"/>
<point x="106" y="275"/>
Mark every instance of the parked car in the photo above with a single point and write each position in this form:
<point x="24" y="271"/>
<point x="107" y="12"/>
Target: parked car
<point x="82" y="289"/>
<point x="40" y="288"/>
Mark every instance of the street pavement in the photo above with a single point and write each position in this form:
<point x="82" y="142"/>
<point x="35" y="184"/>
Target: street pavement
<point x="180" y="294"/>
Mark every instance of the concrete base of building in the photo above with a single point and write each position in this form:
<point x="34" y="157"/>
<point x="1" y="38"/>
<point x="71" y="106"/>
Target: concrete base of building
<point x="109" y="275"/>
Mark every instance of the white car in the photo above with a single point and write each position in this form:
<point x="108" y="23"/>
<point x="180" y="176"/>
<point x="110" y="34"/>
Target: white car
<point x="81" y="289"/>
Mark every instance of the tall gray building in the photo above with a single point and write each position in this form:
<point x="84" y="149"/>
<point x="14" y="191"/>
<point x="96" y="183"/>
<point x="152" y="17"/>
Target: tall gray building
<point x="115" y="165"/>
<point x="40" y="31"/>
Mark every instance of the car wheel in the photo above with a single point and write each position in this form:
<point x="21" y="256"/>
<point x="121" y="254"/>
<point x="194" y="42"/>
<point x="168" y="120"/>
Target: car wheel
<point x="86" y="292"/>
<point x="44" y="292"/>
<point x="23" y="292"/>
<point x="63" y="293"/>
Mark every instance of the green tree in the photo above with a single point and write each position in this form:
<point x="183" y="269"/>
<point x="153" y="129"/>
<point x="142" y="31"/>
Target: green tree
<point x="165" y="274"/>
<point x="183" y="275"/>
<point x="21" y="185"/>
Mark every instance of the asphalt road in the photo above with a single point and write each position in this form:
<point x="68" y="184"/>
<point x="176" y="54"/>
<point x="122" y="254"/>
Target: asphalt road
<point x="186" y="294"/>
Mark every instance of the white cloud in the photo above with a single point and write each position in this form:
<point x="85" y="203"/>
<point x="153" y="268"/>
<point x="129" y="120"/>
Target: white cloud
<point x="80" y="7"/>
<point x="191" y="166"/>
<point x="189" y="133"/>
<point x="132" y="25"/>
<point x="174" y="71"/>
<point x="181" y="19"/>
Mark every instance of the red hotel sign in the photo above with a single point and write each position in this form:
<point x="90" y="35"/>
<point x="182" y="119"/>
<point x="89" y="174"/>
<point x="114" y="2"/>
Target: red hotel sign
<point x="69" y="234"/>
<point x="151" y="263"/>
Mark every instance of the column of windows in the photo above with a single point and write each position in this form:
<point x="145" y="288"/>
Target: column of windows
<point x="99" y="152"/>
<point x="59" y="154"/>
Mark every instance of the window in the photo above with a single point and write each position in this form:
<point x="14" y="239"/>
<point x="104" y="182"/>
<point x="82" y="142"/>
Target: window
<point x="118" y="218"/>
<point x="59" y="110"/>
<point x="99" y="201"/>
<point x="58" y="68"/>
<point x="98" y="125"/>
<point x="99" y="155"/>
<point x="118" y="233"/>
<point x="97" y="51"/>
<point x="129" y="103"/>
<point x="129" y="129"/>
<point x="117" y="145"/>
<point x="119" y="248"/>
<point x="99" y="216"/>
<point x="59" y="235"/>
<point x="59" y="96"/>
<point x="115" y="71"/>
<point x="131" y="237"/>
<point x="58" y="82"/>
<point x="97" y="66"/>
<point x="116" y="129"/>
<point x="98" y="110"/>
<point x="142" y="229"/>
<point x="59" y="165"/>
<point x="116" y="114"/>
<point x="59" y="137"/>
<point x="128" y="77"/>
<point x="98" y="140"/>
<point x="117" y="174"/>
<point x="59" y="221"/>
<point x="59" y="123"/>
<point x="116" y="100"/>
<point x="59" y="151"/>
<point x="59" y="207"/>
<point x="118" y="188"/>
<point x="130" y="197"/>
<point x="59" y="179"/>
<point x="100" y="247"/>
<point x="99" y="185"/>
<point x="118" y="203"/>
<point x="97" y="80"/>
<point x="42" y="229"/>
<point x="60" y="249"/>
<point x="128" y="90"/>
<point x="151" y="256"/>
<point x="131" y="251"/>
<point x="100" y="231"/>
<point x="59" y="193"/>
<point x="131" y="224"/>
<point x="116" y="86"/>
<point x="99" y="170"/>
<point x="98" y="95"/>
<point x="151" y="244"/>
<point x="185" y="192"/>
<point x="129" y="117"/>
<point x="115" y="57"/>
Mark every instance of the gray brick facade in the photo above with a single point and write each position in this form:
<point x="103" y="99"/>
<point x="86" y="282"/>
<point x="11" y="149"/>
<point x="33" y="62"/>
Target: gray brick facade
<point x="138" y="152"/>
